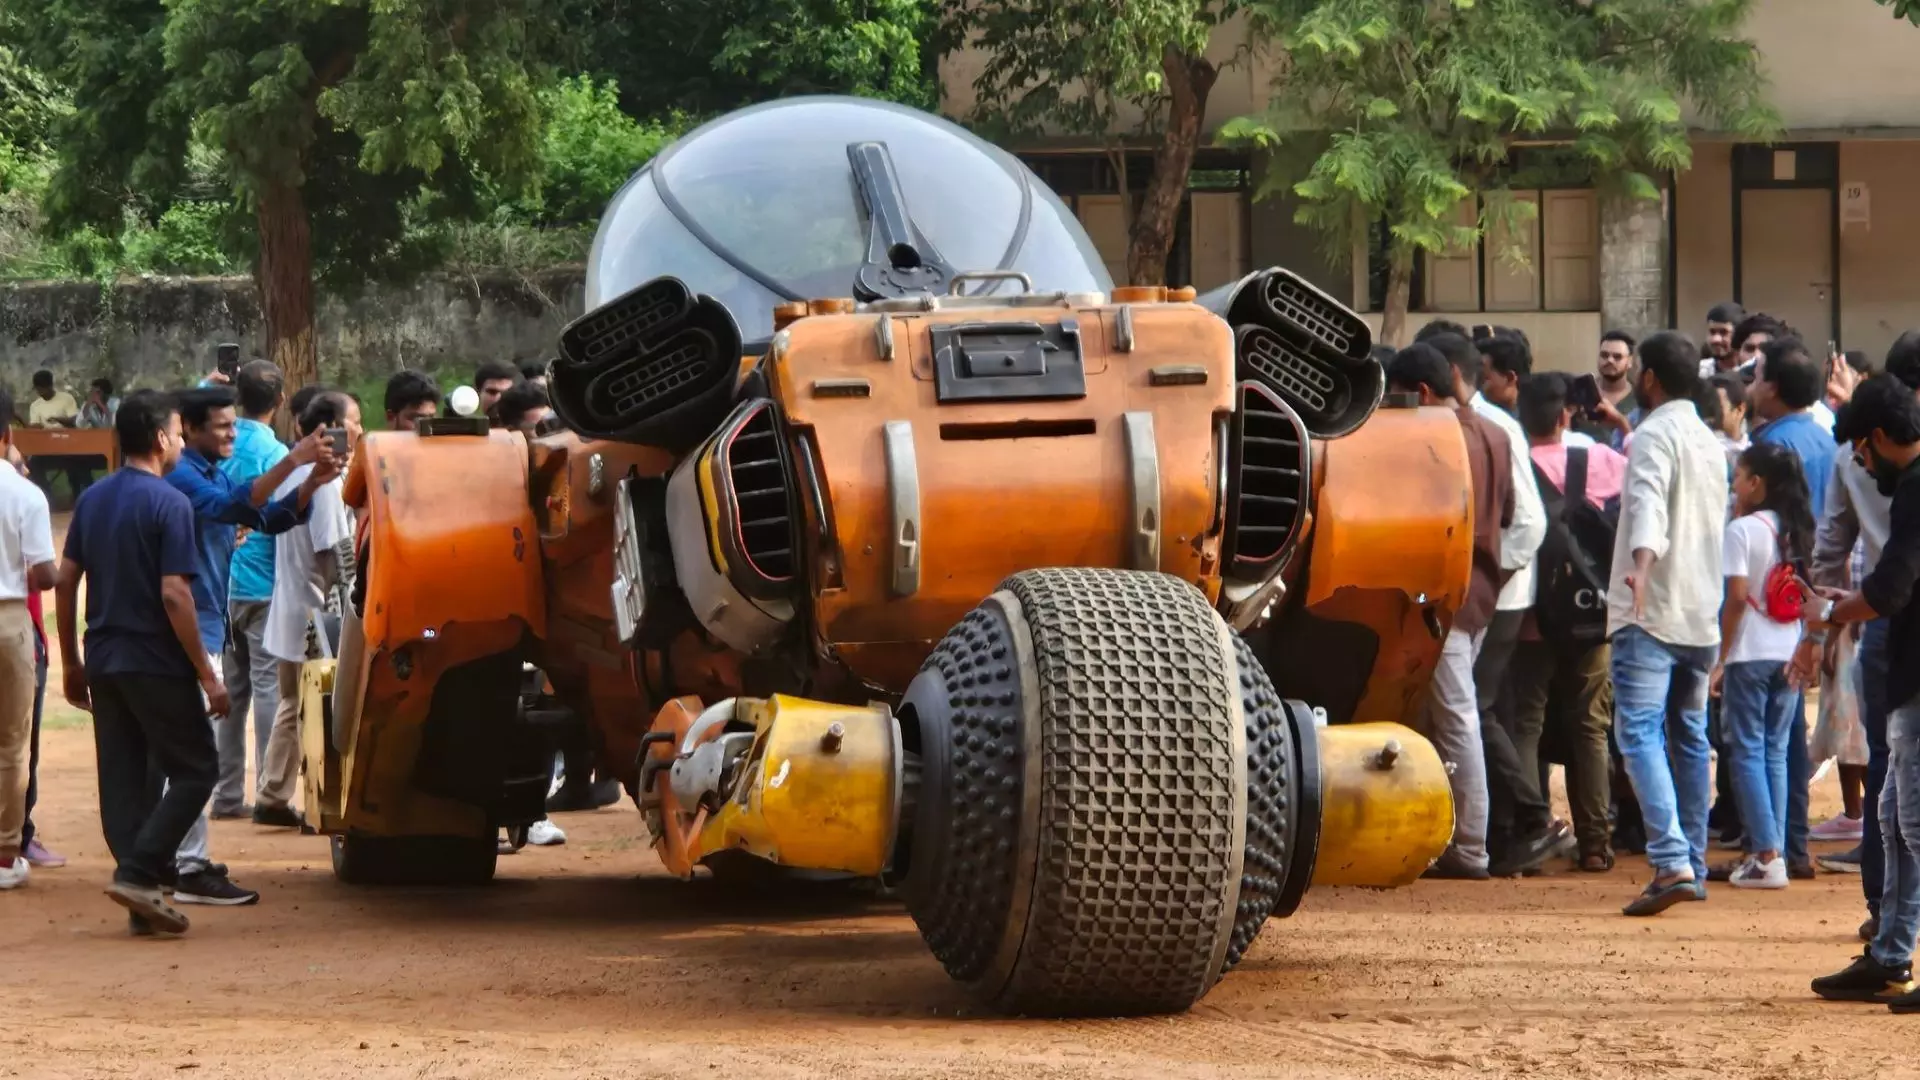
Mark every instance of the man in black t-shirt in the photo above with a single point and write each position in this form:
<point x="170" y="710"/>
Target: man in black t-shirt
<point x="145" y="670"/>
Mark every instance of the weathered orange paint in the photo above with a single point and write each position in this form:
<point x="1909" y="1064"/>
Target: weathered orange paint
<point x="991" y="507"/>
<point x="1393" y="536"/>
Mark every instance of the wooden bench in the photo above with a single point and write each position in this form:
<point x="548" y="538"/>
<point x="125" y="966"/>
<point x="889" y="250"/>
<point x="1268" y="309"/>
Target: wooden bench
<point x="66" y="442"/>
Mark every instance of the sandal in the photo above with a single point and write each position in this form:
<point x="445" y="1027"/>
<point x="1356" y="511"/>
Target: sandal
<point x="1596" y="862"/>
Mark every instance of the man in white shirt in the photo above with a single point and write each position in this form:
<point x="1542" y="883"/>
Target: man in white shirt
<point x="1663" y="607"/>
<point x="1519" y="829"/>
<point x="26" y="566"/>
<point x="309" y="561"/>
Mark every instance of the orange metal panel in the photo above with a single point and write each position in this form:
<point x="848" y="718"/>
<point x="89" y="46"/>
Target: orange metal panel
<point x="1393" y="537"/>
<point x="990" y="507"/>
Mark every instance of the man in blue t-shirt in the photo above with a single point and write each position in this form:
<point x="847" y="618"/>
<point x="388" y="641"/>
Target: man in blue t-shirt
<point x="145" y="676"/>
<point x="252" y="676"/>
<point x="221" y="506"/>
<point x="1787" y="384"/>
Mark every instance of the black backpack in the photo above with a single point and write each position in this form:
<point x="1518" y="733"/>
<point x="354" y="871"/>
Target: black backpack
<point x="1576" y="560"/>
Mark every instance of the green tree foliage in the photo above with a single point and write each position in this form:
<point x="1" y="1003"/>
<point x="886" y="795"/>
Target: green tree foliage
<point x="705" y="57"/>
<point x="329" y="118"/>
<point x="1078" y="66"/>
<point x="1903" y="9"/>
<point x="1419" y="101"/>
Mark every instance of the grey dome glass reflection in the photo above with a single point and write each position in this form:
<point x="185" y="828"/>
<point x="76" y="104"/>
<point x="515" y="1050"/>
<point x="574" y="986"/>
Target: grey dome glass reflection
<point x="761" y="206"/>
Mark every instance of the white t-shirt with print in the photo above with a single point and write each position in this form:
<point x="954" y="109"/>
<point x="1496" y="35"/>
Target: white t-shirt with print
<point x="1752" y="549"/>
<point x="296" y="596"/>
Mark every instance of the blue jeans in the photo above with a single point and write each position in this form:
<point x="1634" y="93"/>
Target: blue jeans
<point x="1799" y="785"/>
<point x="1900" y="834"/>
<point x="1671" y="773"/>
<point x="1873" y="716"/>
<point x="1757" y="707"/>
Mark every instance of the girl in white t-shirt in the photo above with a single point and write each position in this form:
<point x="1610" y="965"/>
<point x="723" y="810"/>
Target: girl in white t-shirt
<point x="1774" y="525"/>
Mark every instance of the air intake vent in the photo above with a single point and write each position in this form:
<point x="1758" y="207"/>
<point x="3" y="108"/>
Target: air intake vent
<point x="1314" y="314"/>
<point x="1269" y="482"/>
<point x="655" y="366"/>
<point x="1304" y="346"/>
<point x="761" y="508"/>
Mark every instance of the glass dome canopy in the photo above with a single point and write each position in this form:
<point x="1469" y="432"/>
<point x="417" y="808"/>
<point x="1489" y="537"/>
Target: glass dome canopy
<point x="828" y="196"/>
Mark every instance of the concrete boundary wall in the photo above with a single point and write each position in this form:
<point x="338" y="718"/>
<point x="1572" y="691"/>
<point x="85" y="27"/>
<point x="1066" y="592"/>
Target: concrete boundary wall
<point x="159" y="331"/>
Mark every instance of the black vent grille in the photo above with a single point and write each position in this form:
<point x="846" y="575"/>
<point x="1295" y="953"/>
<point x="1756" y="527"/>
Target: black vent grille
<point x="656" y="366"/>
<point x="1316" y="386"/>
<point x="762" y="489"/>
<point x="1270" y="478"/>
<point x="1312" y="313"/>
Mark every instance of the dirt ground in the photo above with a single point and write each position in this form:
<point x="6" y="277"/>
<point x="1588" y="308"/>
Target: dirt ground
<point x="583" y="961"/>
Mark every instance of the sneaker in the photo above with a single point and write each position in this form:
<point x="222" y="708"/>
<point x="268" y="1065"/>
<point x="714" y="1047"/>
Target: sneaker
<point x="1449" y="868"/>
<point x="544" y="833"/>
<point x="1526" y="853"/>
<point x="1801" y="870"/>
<point x="213" y="889"/>
<point x="279" y="817"/>
<point x="1866" y="979"/>
<point x="1837" y="827"/>
<point x="15" y="873"/>
<point x="1724" y="871"/>
<point x="40" y="857"/>
<point x="1846" y="862"/>
<point x="1658" y="898"/>
<point x="231" y="813"/>
<point x="1908" y="1002"/>
<point x="1754" y="874"/>
<point x="146" y="903"/>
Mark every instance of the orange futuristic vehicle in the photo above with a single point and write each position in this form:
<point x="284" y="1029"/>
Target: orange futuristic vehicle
<point x="887" y="538"/>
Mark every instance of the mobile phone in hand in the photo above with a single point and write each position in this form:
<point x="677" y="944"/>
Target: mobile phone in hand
<point x="227" y="360"/>
<point x="1583" y="394"/>
<point x="337" y="442"/>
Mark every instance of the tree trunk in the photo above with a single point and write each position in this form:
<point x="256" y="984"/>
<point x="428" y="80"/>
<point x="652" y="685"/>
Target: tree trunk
<point x="284" y="277"/>
<point x="1189" y="80"/>
<point x="1393" y="318"/>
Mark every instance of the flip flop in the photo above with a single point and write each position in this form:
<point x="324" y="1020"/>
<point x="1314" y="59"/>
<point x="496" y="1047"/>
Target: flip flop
<point x="1659" y="898"/>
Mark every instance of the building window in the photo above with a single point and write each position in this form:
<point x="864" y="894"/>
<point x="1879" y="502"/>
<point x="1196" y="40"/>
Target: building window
<point x="1212" y="243"/>
<point x="1561" y="271"/>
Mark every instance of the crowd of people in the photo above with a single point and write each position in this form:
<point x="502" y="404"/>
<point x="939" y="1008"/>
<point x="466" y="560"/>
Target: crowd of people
<point x="215" y="562"/>
<point x="1668" y="554"/>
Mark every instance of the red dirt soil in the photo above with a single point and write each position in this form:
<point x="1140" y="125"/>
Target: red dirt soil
<point x="584" y="961"/>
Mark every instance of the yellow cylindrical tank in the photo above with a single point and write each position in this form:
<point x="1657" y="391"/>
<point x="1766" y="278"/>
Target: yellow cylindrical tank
<point x="1387" y="810"/>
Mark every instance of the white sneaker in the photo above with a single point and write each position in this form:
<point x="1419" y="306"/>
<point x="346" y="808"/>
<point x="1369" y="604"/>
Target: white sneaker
<point x="1754" y="874"/>
<point x="544" y="833"/>
<point x="12" y="877"/>
<point x="1837" y="827"/>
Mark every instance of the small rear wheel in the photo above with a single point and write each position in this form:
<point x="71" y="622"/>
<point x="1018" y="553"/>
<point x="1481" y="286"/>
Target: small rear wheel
<point x="1082" y="839"/>
<point x="413" y="860"/>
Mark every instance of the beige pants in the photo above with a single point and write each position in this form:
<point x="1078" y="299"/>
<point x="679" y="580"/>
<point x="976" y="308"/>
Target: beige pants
<point x="16" y="721"/>
<point x="282" y="776"/>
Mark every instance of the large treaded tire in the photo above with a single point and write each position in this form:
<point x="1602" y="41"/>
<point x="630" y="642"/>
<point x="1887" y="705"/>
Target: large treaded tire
<point x="414" y="860"/>
<point x="1082" y="821"/>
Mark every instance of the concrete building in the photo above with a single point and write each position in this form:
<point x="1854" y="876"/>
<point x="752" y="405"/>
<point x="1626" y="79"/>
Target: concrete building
<point x="1821" y="229"/>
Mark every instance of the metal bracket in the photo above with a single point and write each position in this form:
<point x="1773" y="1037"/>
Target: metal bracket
<point x="903" y="491"/>
<point x="1143" y="469"/>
